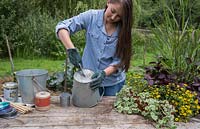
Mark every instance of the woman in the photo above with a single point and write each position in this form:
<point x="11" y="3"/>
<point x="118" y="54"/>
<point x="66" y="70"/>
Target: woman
<point x="108" y="43"/>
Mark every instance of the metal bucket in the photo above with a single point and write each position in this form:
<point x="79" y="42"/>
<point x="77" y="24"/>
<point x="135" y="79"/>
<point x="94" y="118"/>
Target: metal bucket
<point x="30" y="82"/>
<point x="82" y="95"/>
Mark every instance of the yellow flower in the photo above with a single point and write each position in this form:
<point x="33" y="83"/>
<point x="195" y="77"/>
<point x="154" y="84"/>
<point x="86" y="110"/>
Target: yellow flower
<point x="176" y="119"/>
<point x="196" y="101"/>
<point x="158" y="96"/>
<point x="189" y="112"/>
<point x="187" y="92"/>
<point x="184" y="114"/>
<point x="180" y="97"/>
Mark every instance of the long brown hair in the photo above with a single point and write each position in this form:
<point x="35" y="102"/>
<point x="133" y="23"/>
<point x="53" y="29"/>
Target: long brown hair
<point x="124" y="45"/>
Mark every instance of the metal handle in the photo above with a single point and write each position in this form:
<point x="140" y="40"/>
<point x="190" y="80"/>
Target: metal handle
<point x="39" y="85"/>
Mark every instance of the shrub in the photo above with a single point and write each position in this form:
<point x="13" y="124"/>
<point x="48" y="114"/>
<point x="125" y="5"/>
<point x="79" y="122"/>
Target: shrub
<point x="36" y="37"/>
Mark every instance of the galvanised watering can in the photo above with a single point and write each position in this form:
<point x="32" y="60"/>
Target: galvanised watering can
<point x="82" y="94"/>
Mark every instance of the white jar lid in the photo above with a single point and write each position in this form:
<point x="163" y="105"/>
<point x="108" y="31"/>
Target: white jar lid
<point x="42" y="94"/>
<point x="10" y="85"/>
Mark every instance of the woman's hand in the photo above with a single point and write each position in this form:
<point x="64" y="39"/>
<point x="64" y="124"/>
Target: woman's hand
<point x="97" y="79"/>
<point x="74" y="57"/>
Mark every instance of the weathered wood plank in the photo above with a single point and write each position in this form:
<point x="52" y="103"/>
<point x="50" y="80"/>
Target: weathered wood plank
<point x="101" y="116"/>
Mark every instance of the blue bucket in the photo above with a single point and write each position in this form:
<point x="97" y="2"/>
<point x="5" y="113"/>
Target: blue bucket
<point x="30" y="82"/>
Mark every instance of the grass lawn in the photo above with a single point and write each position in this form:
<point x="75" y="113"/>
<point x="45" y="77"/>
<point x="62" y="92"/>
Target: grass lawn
<point x="54" y="65"/>
<point x="20" y="64"/>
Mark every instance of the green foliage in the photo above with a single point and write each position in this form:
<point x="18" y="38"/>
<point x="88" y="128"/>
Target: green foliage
<point x="36" y="37"/>
<point x="79" y="40"/>
<point x="185" y="102"/>
<point x="141" y="42"/>
<point x="56" y="81"/>
<point x="130" y="102"/>
<point x="125" y="103"/>
<point x="67" y="8"/>
<point x="11" y="13"/>
<point x="144" y="11"/>
<point x="178" y="45"/>
<point x="148" y="11"/>
<point x="136" y="81"/>
<point x="184" y="9"/>
<point x="30" y="25"/>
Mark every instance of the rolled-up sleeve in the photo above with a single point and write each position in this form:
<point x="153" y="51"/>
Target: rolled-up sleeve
<point x="75" y="23"/>
<point x="115" y="61"/>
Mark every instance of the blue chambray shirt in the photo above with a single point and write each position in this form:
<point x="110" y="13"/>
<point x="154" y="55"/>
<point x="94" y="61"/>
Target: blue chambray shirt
<point x="99" y="51"/>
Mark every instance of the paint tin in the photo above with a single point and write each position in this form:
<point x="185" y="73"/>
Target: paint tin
<point x="11" y="91"/>
<point x="42" y="101"/>
<point x="65" y="99"/>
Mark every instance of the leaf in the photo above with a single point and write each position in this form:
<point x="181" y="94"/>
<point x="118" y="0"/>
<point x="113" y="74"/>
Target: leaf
<point x="196" y="84"/>
<point x="125" y="98"/>
<point x="153" y="116"/>
<point x="161" y="76"/>
<point x="126" y="108"/>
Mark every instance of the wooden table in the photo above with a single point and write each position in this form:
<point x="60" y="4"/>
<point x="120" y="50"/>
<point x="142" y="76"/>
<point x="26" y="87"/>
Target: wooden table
<point x="102" y="116"/>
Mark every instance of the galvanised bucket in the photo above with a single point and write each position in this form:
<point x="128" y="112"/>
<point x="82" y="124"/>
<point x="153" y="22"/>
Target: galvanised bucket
<point x="82" y="95"/>
<point x="30" y="82"/>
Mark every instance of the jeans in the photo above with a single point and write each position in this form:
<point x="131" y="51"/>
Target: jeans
<point x="111" y="90"/>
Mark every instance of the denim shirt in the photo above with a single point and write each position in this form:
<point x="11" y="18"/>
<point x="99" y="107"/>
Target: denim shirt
<point x="99" y="51"/>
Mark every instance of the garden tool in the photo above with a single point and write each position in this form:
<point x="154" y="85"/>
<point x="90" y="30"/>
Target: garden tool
<point x="10" y="55"/>
<point x="65" y="96"/>
<point x="81" y="69"/>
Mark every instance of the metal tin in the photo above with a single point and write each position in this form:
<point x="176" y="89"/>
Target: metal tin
<point x="65" y="99"/>
<point x="10" y="91"/>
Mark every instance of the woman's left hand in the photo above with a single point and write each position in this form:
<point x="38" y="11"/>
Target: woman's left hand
<point x="97" y="79"/>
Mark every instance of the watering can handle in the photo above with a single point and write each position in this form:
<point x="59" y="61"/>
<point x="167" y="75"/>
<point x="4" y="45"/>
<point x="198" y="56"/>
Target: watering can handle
<point x="100" y="97"/>
<point x="39" y="85"/>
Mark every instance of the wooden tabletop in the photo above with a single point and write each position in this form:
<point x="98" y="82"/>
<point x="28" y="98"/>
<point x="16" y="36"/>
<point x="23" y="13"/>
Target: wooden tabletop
<point x="102" y="116"/>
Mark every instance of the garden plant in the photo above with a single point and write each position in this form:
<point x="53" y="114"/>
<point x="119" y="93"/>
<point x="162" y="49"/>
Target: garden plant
<point x="173" y="79"/>
<point x="162" y="104"/>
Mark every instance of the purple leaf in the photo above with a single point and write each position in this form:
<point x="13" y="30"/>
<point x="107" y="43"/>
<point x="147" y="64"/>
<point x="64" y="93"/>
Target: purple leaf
<point x="151" y="82"/>
<point x="161" y="76"/>
<point x="196" y="84"/>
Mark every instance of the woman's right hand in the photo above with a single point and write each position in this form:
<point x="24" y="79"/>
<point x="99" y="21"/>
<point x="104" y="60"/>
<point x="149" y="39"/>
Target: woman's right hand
<point x="74" y="57"/>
